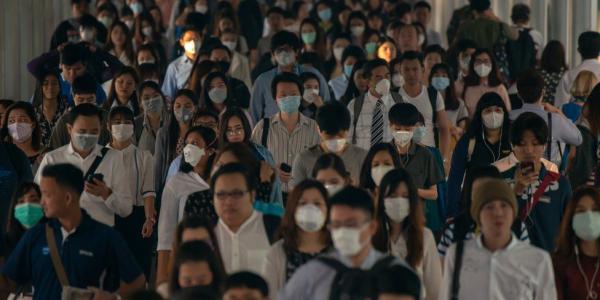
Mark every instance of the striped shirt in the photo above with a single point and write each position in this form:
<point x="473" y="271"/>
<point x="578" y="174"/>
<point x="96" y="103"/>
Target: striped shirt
<point x="285" y="145"/>
<point x="448" y="237"/>
<point x="365" y="120"/>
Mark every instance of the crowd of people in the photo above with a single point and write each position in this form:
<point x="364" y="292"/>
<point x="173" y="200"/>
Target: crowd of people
<point x="300" y="149"/>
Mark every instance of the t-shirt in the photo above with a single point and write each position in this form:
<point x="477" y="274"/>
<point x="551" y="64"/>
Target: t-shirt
<point x="423" y="104"/>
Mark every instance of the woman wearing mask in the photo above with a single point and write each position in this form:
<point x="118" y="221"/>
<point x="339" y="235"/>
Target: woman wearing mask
<point x="380" y="159"/>
<point x="432" y="56"/>
<point x="123" y="91"/>
<point x="552" y="67"/>
<point x="145" y="33"/>
<point x="226" y="21"/>
<point x="331" y="172"/>
<point x="356" y="86"/>
<point x="350" y="57"/>
<point x="313" y="39"/>
<point x="387" y="49"/>
<point x="146" y="54"/>
<point x="441" y="79"/>
<point x="155" y="115"/>
<point x="196" y="264"/>
<point x="402" y="230"/>
<point x="240" y="65"/>
<point x="577" y="257"/>
<point x="397" y="78"/>
<point x="483" y="77"/>
<point x="325" y="13"/>
<point x="303" y="234"/>
<point x="311" y="101"/>
<point x="120" y="43"/>
<point x="199" y="72"/>
<point x="49" y="105"/>
<point x="334" y="67"/>
<point x="21" y="128"/>
<point x="216" y="94"/>
<point x="372" y="40"/>
<point x="357" y="24"/>
<point x="486" y="141"/>
<point x="25" y="212"/>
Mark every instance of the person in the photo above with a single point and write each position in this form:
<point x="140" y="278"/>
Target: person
<point x="577" y="251"/>
<point x="552" y="67"/>
<point x="245" y="285"/>
<point x="154" y="115"/>
<point x="303" y="234"/>
<point x="216" y="93"/>
<point x="289" y="132"/>
<point x="123" y="91"/>
<point x="284" y="50"/>
<point x="543" y="193"/>
<point x="406" y="37"/>
<point x="106" y="191"/>
<point x="240" y="65"/>
<point x="340" y="41"/>
<point x="422" y="11"/>
<point x="428" y="102"/>
<point x="352" y="223"/>
<point x="311" y="101"/>
<point x="244" y="234"/>
<point x="24" y="131"/>
<point x="25" y="212"/>
<point x="107" y="264"/>
<point x="441" y="79"/>
<point x="398" y="282"/>
<point x="486" y="141"/>
<point x="4" y="104"/>
<point x="145" y="33"/>
<point x="402" y="232"/>
<point x="49" y="105"/>
<point x="239" y="89"/>
<point x="357" y="84"/>
<point x="120" y="44"/>
<point x="196" y="264"/>
<point x="274" y="18"/>
<point x="520" y="16"/>
<point x="68" y="30"/>
<point x="313" y="37"/>
<point x="588" y="46"/>
<point x="380" y="159"/>
<point x="530" y="86"/>
<point x="387" y="49"/>
<point x="351" y="55"/>
<point x="333" y="120"/>
<point x="432" y="55"/>
<point x="461" y="62"/>
<point x="485" y="29"/>
<point x="179" y="70"/>
<point x="525" y="272"/>
<point x="331" y="172"/>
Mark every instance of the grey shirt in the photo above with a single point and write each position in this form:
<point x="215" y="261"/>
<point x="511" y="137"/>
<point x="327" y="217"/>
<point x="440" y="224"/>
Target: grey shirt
<point x="421" y="165"/>
<point x="144" y="134"/>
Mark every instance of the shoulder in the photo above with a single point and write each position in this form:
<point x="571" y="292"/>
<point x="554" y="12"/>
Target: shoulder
<point x="266" y="77"/>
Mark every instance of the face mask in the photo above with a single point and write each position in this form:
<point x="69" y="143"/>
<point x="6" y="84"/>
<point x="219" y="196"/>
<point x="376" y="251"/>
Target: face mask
<point x="357" y="31"/>
<point x="309" y="37"/>
<point x="398" y="80"/>
<point x="136" y="7"/>
<point x="402" y="138"/>
<point x="183" y="114"/>
<point x="20" y="132"/>
<point x="106" y="21"/>
<point x="493" y="120"/>
<point x="378" y="172"/>
<point x="191" y="47"/>
<point x="419" y="134"/>
<point x="153" y="105"/>
<point x="147" y="31"/>
<point x="129" y="24"/>
<point x="28" y="214"/>
<point x="309" y="218"/>
<point x="464" y="63"/>
<point x="348" y="70"/>
<point x="347" y="240"/>
<point x="338" y="52"/>
<point x="230" y="45"/>
<point x="148" y="61"/>
<point x="371" y="47"/>
<point x="192" y="154"/>
<point x="383" y="87"/>
<point x="397" y="208"/>
<point x="440" y="83"/>
<point x="122" y="132"/>
<point x="335" y="145"/>
<point x="218" y="95"/>
<point x="325" y="15"/>
<point x="289" y="104"/>
<point x="332" y="189"/>
<point x="310" y="95"/>
<point x="201" y="8"/>
<point x="587" y="225"/>
<point x="285" y="58"/>
<point x="84" y="141"/>
<point x="483" y="70"/>
<point x="87" y="35"/>
<point x="421" y="39"/>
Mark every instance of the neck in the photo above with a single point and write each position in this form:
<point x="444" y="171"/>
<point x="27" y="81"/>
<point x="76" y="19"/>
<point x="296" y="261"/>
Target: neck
<point x="122" y="100"/>
<point x="50" y="103"/>
<point x="395" y="230"/>
<point x="483" y="80"/>
<point x="234" y="227"/>
<point x="403" y="150"/>
<point x="83" y="154"/>
<point x="290" y="119"/>
<point x="289" y="68"/>
<point x="72" y="221"/>
<point x="359" y="258"/>
<point x="219" y="106"/>
<point x="495" y="243"/>
<point x="492" y="135"/>
<point x="120" y="145"/>
<point x="311" y="242"/>
<point x="199" y="168"/>
<point x="412" y="89"/>
<point x="183" y="128"/>
<point x="375" y="94"/>
<point x="191" y="57"/>
<point x="118" y="49"/>
<point x="589" y="248"/>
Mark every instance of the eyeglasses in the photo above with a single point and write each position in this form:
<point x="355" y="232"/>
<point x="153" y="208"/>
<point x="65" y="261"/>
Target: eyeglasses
<point x="234" y="195"/>
<point x="235" y="131"/>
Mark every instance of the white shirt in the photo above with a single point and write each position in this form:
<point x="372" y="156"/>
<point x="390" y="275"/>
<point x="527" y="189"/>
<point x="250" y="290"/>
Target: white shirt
<point x="519" y="271"/>
<point x="563" y="90"/>
<point x="111" y="167"/>
<point x="363" y="127"/>
<point x="139" y="173"/>
<point x="424" y="106"/>
<point x="174" y="196"/>
<point x="245" y="249"/>
<point x="273" y="268"/>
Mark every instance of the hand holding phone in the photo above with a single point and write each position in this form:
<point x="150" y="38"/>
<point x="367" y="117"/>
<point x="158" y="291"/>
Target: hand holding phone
<point x="285" y="167"/>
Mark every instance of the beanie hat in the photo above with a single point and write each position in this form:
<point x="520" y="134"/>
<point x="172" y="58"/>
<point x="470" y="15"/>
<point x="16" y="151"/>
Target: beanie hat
<point x="492" y="190"/>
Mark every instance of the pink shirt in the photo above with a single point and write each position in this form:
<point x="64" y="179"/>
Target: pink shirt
<point x="474" y="93"/>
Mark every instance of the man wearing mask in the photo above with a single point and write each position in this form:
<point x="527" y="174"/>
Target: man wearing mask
<point x="106" y="191"/>
<point x="223" y="56"/>
<point x="275" y="23"/>
<point x="284" y="49"/>
<point x="68" y="30"/>
<point x="179" y="70"/>
<point x="352" y="223"/>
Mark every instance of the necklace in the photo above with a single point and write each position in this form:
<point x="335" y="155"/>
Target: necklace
<point x="591" y="294"/>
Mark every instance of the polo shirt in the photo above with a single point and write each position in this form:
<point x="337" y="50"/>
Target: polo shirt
<point x="177" y="76"/>
<point x="93" y="255"/>
<point x="420" y="164"/>
<point x="423" y="105"/>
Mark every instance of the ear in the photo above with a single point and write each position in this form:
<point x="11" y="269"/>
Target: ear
<point x="373" y="226"/>
<point x="69" y="128"/>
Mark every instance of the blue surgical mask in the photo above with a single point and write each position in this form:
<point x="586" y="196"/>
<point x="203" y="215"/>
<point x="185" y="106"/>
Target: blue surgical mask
<point x="348" y="70"/>
<point x="419" y="134"/>
<point x="371" y="47"/>
<point x="440" y="83"/>
<point x="325" y="15"/>
<point x="289" y="104"/>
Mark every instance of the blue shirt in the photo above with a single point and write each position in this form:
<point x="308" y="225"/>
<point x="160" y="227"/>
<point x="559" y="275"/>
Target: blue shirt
<point x="262" y="104"/>
<point x="65" y="89"/>
<point x="93" y="255"/>
<point x="177" y="76"/>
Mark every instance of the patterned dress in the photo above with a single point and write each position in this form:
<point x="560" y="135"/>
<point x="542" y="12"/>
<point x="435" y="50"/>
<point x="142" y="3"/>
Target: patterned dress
<point x="551" y="80"/>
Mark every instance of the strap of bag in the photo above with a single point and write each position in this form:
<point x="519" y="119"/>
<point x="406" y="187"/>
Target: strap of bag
<point x="460" y="247"/>
<point x="271" y="224"/>
<point x="549" y="147"/>
<point x="265" y="133"/>
<point x="96" y="163"/>
<point x="382" y="263"/>
<point x="56" y="261"/>
<point x="549" y="178"/>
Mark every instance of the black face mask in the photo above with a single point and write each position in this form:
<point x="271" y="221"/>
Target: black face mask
<point x="224" y="66"/>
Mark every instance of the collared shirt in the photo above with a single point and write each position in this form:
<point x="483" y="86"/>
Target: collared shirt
<point x="519" y="271"/>
<point x="177" y="76"/>
<point x="563" y="130"/>
<point x="119" y="202"/>
<point x="423" y="104"/>
<point x="92" y="255"/>
<point x="563" y="90"/>
<point x="365" y="119"/>
<point x="139" y="169"/>
<point x="286" y="146"/>
<point x="421" y="165"/>
<point x="172" y="204"/>
<point x="338" y="86"/>
<point x="245" y="249"/>
<point x="262" y="103"/>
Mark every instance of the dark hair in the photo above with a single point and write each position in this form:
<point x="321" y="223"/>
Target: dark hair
<point x="196" y="251"/>
<point x="286" y="77"/>
<point x="589" y="44"/>
<point x="283" y="38"/>
<point x="195" y="222"/>
<point x="480" y="5"/>
<point x="121" y="111"/>
<point x="451" y="102"/>
<point x="195" y="293"/>
<point x="306" y="76"/>
<point x="352" y="90"/>
<point x="435" y="49"/>
<point x="567" y="239"/>
<point x="87" y="21"/>
<point x="210" y="140"/>
<point x="372" y="65"/>
<point x="520" y="13"/>
<point x="84" y="84"/>
<point x="320" y="43"/>
<point x="592" y="105"/>
<point x="112" y="95"/>
<point x="353" y="51"/>
<point x="464" y="44"/>
<point x="6" y="102"/>
<point x="353" y="197"/>
<point x="199" y="70"/>
<point x="144" y="295"/>
<point x="330" y="161"/>
<point x="173" y="129"/>
<point x="476" y="127"/>
<point x="312" y="59"/>
<point x="333" y="118"/>
<point x="553" y="57"/>
<point x="205" y="101"/>
<point x="357" y="15"/>
<point x="530" y="86"/>
<point x="128" y="36"/>
<point x="14" y="230"/>
<point x="84" y="109"/>
<point x="246" y="279"/>
<point x="398" y="280"/>
<point x="220" y="46"/>
<point x="472" y="79"/>
<point x="235" y="168"/>
<point x="72" y="54"/>
<point x="150" y="48"/>
<point x="366" y="181"/>
<point x="191" y="27"/>
<point x="404" y="114"/>
<point x="139" y="35"/>
<point x="65" y="175"/>
<point x="275" y="10"/>
<point x="225" y="117"/>
<point x="529" y="121"/>
<point x="476" y="172"/>
<point x="411" y="55"/>
<point x="36" y="138"/>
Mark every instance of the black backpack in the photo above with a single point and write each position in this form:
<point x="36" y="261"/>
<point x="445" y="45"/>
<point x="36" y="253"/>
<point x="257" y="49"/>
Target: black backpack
<point x="520" y="53"/>
<point x="354" y="283"/>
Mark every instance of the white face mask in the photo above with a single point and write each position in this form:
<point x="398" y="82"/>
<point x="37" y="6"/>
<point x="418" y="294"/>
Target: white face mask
<point x="84" y="141"/>
<point x="192" y="154"/>
<point x="309" y="218"/>
<point x="338" y="52"/>
<point x="357" y="31"/>
<point x="493" y="120"/>
<point x="347" y="240"/>
<point x="147" y="31"/>
<point x="122" y="132"/>
<point x="20" y="131"/>
<point x="191" y="47"/>
<point x="87" y="35"/>
<point x="378" y="172"/>
<point x="147" y="61"/>
<point x="335" y="145"/>
<point x="230" y="45"/>
<point x="218" y="95"/>
<point x="285" y="58"/>
<point x="402" y="138"/>
<point x="129" y="24"/>
<point x="397" y="208"/>
<point x="398" y="80"/>
<point x="201" y="8"/>
<point x="332" y="189"/>
<point x="483" y="70"/>
<point x="383" y="87"/>
<point x="587" y="225"/>
<point x="310" y="95"/>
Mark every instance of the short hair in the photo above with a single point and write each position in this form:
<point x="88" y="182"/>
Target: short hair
<point x="422" y="4"/>
<point x="220" y="46"/>
<point x="353" y="51"/>
<point x="187" y="93"/>
<point x="275" y="10"/>
<point x="72" y="54"/>
<point x="435" y="49"/>
<point x="305" y="76"/>
<point x="84" y="84"/>
<point x="404" y="114"/>
<point x="588" y="44"/>
<point x="529" y="121"/>
<point x="286" y="77"/>
<point x="330" y="161"/>
<point x="86" y="110"/>
<point x="283" y="38"/>
<point x="234" y="168"/>
<point x="121" y="111"/>
<point x="196" y="251"/>
<point x="399" y="280"/>
<point x="87" y="21"/>
<point x="144" y="295"/>
<point x="246" y="279"/>
<point x="411" y="55"/>
<point x="464" y="44"/>
<point x="66" y="175"/>
<point x="6" y="102"/>
<point x="355" y="198"/>
<point x="530" y="86"/>
<point x="520" y="13"/>
<point x="480" y="5"/>
<point x="372" y="65"/>
<point x="333" y="117"/>
<point x="191" y="27"/>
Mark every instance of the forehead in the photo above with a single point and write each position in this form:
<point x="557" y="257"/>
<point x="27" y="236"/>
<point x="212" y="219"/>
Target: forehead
<point x="230" y="181"/>
<point x="340" y="212"/>
<point x="87" y="121"/>
<point x="287" y="86"/>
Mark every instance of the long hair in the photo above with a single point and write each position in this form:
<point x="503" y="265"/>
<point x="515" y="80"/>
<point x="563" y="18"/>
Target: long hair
<point x="366" y="181"/>
<point x="567" y="239"/>
<point x="331" y="161"/>
<point x="414" y="224"/>
<point x="196" y="251"/>
<point x="554" y="57"/>
<point x="472" y="79"/>
<point x="592" y="108"/>
<point x="36" y="138"/>
<point x="38" y="96"/>
<point x="133" y="99"/>
<point x="205" y="101"/>
<point x="319" y="44"/>
<point x="173" y="129"/>
<point x="14" y="230"/>
<point x="352" y="90"/>
<point x="128" y="43"/>
<point x="198" y="73"/>
<point x="476" y="127"/>
<point x="225" y="117"/>
<point x="289" y="230"/>
<point x="450" y="100"/>
<point x="210" y="141"/>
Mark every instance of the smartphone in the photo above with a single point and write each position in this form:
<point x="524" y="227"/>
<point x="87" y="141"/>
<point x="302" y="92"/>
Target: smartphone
<point x="527" y="167"/>
<point x="285" y="167"/>
<point x="98" y="176"/>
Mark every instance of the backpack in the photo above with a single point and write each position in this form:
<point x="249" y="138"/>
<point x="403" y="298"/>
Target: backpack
<point x="520" y="53"/>
<point x="354" y="283"/>
<point x="271" y="224"/>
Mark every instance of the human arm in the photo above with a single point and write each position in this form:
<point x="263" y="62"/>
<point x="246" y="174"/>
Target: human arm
<point x="428" y="194"/>
<point x="444" y="134"/>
